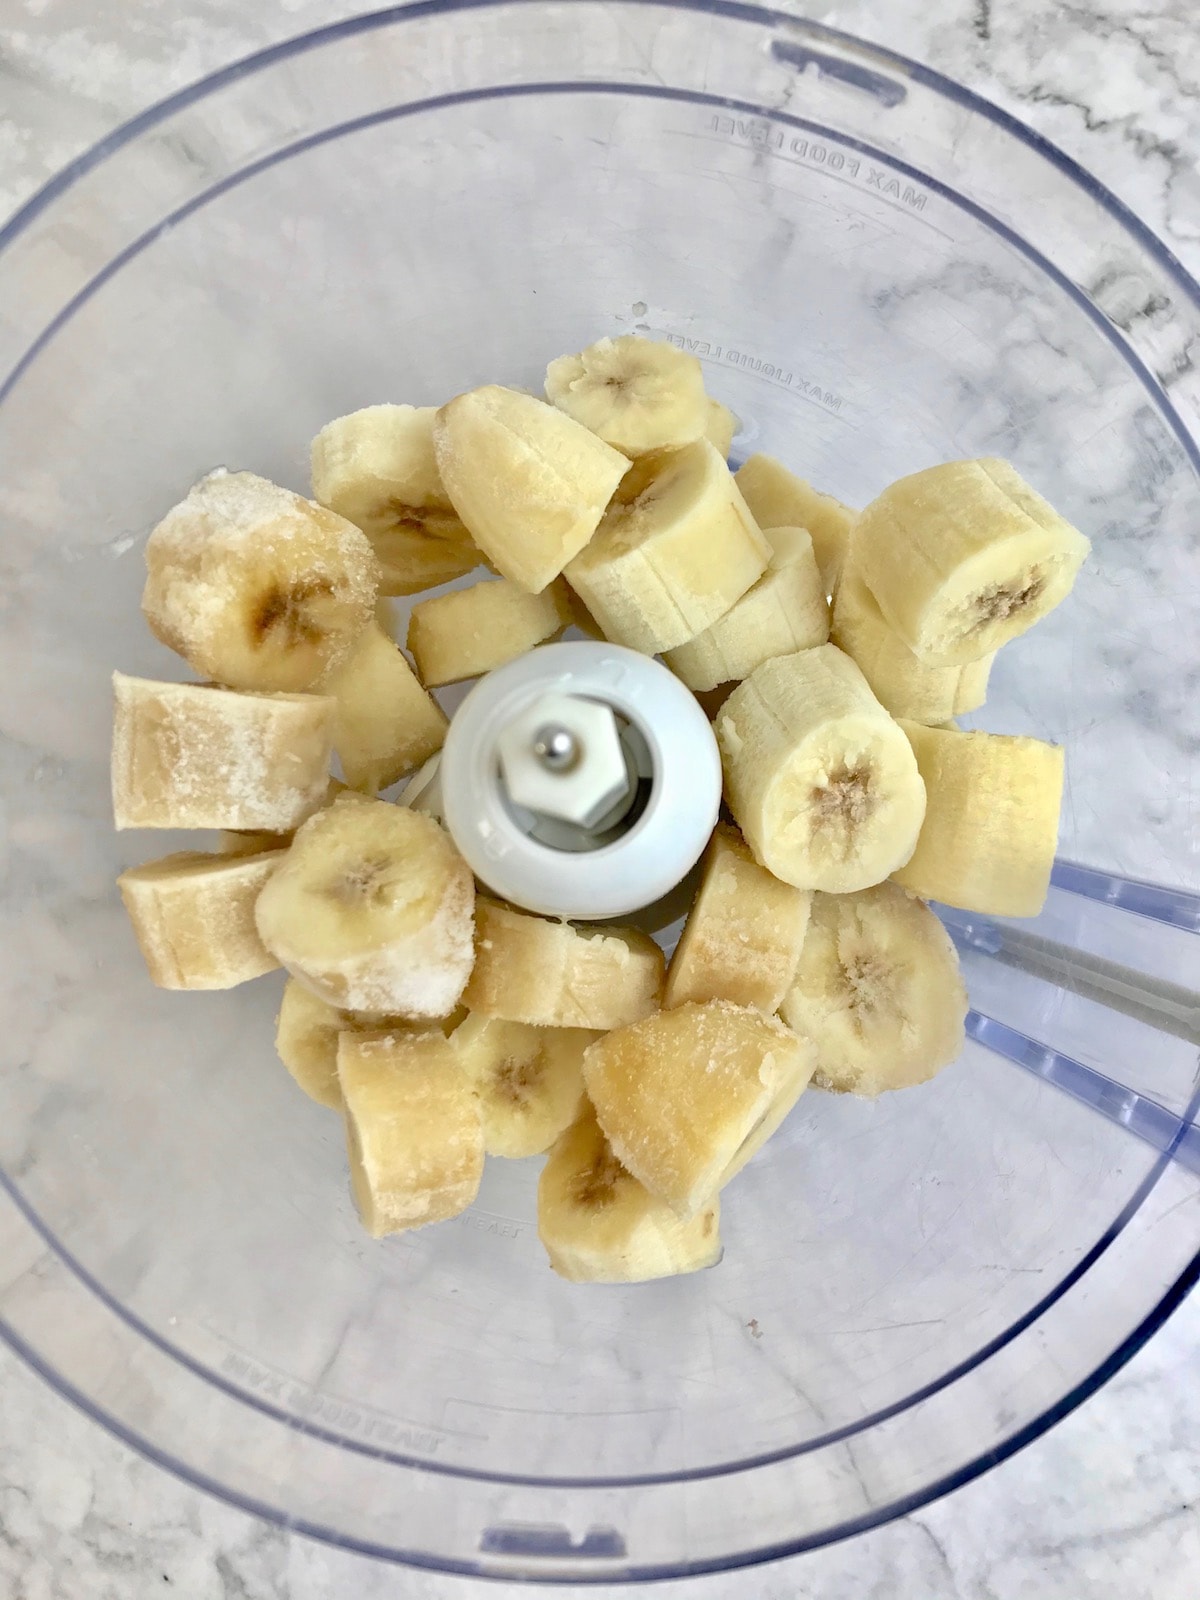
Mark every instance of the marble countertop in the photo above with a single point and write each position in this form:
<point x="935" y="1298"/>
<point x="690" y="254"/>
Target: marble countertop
<point x="1108" y="1504"/>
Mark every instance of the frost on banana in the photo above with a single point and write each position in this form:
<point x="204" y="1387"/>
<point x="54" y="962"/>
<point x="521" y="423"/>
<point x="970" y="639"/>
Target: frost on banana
<point x="600" y="1225"/>
<point x="821" y="781"/>
<point x="251" y="841"/>
<point x="385" y="725"/>
<point x="878" y="991"/>
<point x="686" y="1097"/>
<point x="779" y="499"/>
<point x="963" y="557"/>
<point x="256" y="587"/>
<point x="675" y="550"/>
<point x="529" y="1080"/>
<point x="991" y="823"/>
<point x="468" y="632"/>
<point x="636" y="394"/>
<point x="193" y="915"/>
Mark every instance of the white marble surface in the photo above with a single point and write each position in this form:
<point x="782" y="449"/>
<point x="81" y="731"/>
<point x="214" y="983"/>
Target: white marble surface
<point x="1109" y="1503"/>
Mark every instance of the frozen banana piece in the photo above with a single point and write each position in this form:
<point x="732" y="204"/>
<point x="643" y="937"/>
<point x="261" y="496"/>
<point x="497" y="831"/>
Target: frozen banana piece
<point x="372" y="909"/>
<point x="467" y="632"/>
<point x="553" y="975"/>
<point x="675" y="550"/>
<point x="742" y="939"/>
<point x="193" y="915"/>
<point x="878" y="991"/>
<point x="385" y="725"/>
<point x="249" y="842"/>
<point x="256" y="587"/>
<point x="904" y="685"/>
<point x="687" y="1096"/>
<point x="785" y="611"/>
<point x="529" y="1080"/>
<point x="779" y="499"/>
<point x="413" y="1130"/>
<point x="637" y="394"/>
<point x="186" y="755"/>
<point x="529" y="482"/>
<point x="599" y="1225"/>
<point x="377" y="468"/>
<point x="963" y="557"/>
<point x="720" y="427"/>
<point x="817" y="775"/>
<point x="991" y="822"/>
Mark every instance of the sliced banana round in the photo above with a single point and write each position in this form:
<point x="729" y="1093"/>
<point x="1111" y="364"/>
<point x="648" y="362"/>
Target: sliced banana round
<point x="599" y="1225"/>
<point x="965" y="556"/>
<point x="878" y="991"/>
<point x="529" y="1080"/>
<point x="778" y="498"/>
<point x="372" y="909"/>
<point x="675" y="550"/>
<point x="256" y="587"/>
<point x="821" y="781"/>
<point x="637" y="394"/>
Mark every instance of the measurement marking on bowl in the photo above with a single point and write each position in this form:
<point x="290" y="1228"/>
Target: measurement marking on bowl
<point x="745" y="360"/>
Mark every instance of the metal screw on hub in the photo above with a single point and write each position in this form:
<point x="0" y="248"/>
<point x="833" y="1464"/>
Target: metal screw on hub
<point x="556" y="748"/>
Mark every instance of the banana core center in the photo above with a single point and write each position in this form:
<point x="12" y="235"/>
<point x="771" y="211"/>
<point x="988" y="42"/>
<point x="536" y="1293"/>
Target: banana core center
<point x="285" y="611"/>
<point x="597" y="1186"/>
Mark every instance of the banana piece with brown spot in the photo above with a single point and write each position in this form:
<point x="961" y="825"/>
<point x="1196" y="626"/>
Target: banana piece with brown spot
<point x="636" y="394"/>
<point x="529" y="1080"/>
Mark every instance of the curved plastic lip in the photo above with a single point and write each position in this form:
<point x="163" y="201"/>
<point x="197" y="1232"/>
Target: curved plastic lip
<point x="1188" y="288"/>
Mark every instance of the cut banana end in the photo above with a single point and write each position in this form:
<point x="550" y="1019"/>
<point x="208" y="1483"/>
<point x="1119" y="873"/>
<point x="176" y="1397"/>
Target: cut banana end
<point x="529" y="482"/>
<point x="186" y="755"/>
<point x="193" y="915"/>
<point x="552" y="975"/>
<point x="779" y="499"/>
<point x="720" y="427"/>
<point x="372" y="909"/>
<point x="904" y="685"/>
<point x="385" y="725"/>
<point x="785" y="611"/>
<point x="470" y="631"/>
<point x="878" y="991"/>
<point x="256" y="587"/>
<point x="636" y="394"/>
<point x="529" y="1081"/>
<point x="599" y="1225"/>
<point x="253" y="841"/>
<point x="963" y="557"/>
<point x="742" y="939"/>
<point x="821" y="781"/>
<point x="675" y="550"/>
<point x="377" y="468"/>
<point x="686" y="1097"/>
<point x="991" y="823"/>
<point x="413" y="1130"/>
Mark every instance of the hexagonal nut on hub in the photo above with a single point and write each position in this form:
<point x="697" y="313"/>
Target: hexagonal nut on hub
<point x="562" y="757"/>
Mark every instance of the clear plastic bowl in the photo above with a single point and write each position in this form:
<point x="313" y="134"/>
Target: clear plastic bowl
<point x="879" y="271"/>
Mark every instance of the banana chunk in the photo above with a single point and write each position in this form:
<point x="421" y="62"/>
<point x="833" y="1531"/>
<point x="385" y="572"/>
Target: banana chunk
<point x="186" y="755"/>
<point x="904" y="685"/>
<point x="529" y="482"/>
<point x="963" y="557"/>
<point x="779" y="499"/>
<point x="675" y="550"/>
<point x="821" y="781"/>
<point x="193" y="915"/>
<point x="637" y="394"/>
<point x="720" y="426"/>
<point x="252" y="841"/>
<point x="599" y="1225"/>
<point x="553" y="975"/>
<point x="385" y="725"/>
<point x="413" y="1130"/>
<point x="742" y="939"/>
<point x="991" y="823"/>
<point x="878" y="991"/>
<point x="469" y="631"/>
<point x="785" y="611"/>
<point x="377" y="468"/>
<point x="372" y="910"/>
<point x="256" y="587"/>
<point x="686" y="1097"/>
<point x="529" y="1080"/>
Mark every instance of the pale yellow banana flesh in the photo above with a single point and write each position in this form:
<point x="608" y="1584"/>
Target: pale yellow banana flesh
<point x="636" y="394"/>
<point x="193" y="915"/>
<point x="251" y="841"/>
<point x="468" y="632"/>
<point x="720" y="428"/>
<point x="742" y="938"/>
<point x="553" y="975"/>
<point x="256" y="587"/>
<point x="821" y="781"/>
<point x="599" y="1225"/>
<point x="963" y="557"/>
<point x="878" y="991"/>
<point x="413" y="1129"/>
<point x="529" y="1080"/>
<point x="685" y="1097"/>
<point x="386" y="725"/>
<point x="186" y="755"/>
<point x="779" y="499"/>
<point x="991" y="822"/>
